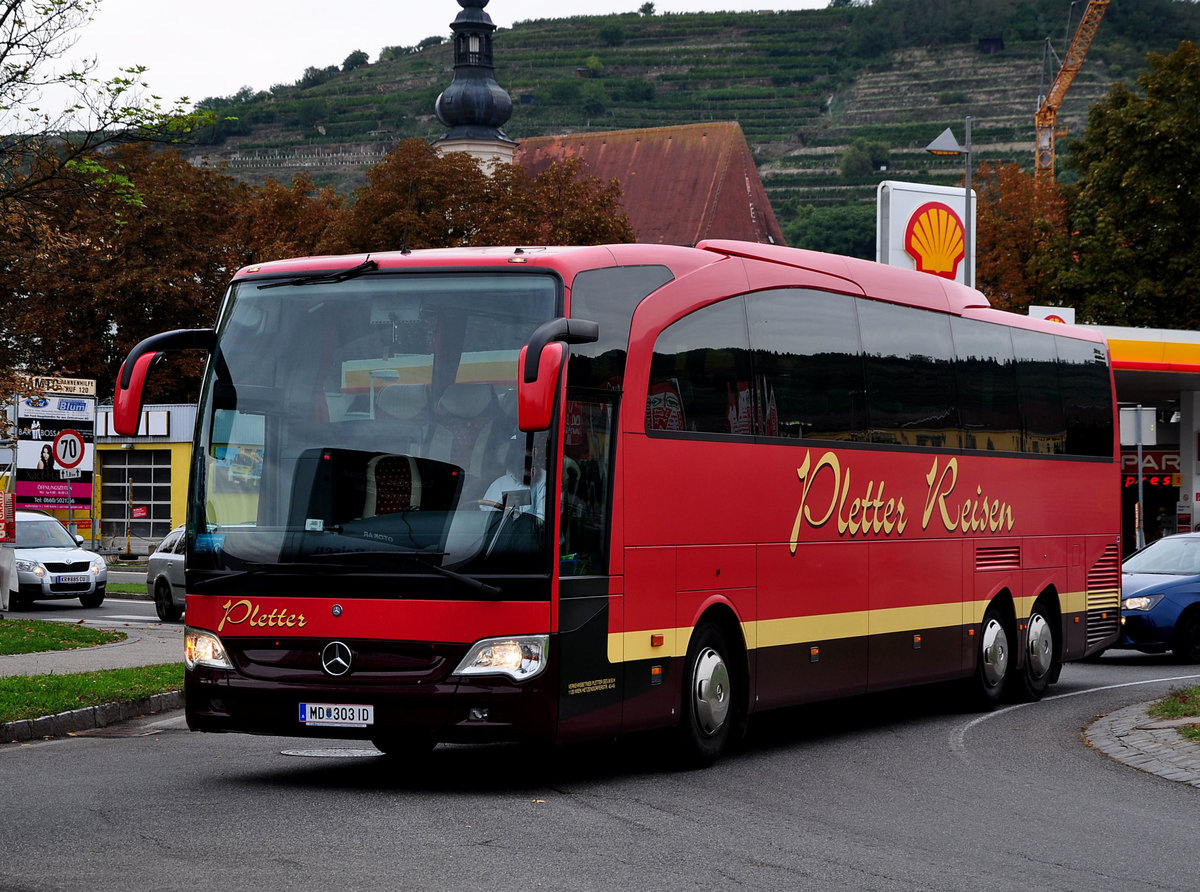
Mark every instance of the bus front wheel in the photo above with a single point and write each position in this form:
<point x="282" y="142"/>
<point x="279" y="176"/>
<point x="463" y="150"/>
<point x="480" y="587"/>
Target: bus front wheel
<point x="709" y="705"/>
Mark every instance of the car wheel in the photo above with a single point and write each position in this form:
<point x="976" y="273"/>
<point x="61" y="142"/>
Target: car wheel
<point x="710" y="704"/>
<point x="986" y="687"/>
<point x="93" y="600"/>
<point x="164" y="605"/>
<point x="1186" y="645"/>
<point x="17" y="602"/>
<point x="1041" y="653"/>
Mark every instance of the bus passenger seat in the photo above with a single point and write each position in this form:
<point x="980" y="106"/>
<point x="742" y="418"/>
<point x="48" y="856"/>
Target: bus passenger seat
<point x="463" y="412"/>
<point x="393" y="485"/>
<point x="407" y="404"/>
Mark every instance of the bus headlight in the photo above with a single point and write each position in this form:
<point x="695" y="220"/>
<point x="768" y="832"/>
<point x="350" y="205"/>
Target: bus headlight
<point x="520" y="658"/>
<point x="203" y="649"/>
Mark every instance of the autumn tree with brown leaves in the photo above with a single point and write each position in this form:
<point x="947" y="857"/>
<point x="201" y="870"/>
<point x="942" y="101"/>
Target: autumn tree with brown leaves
<point x="417" y="198"/>
<point x="114" y="273"/>
<point x="57" y="120"/>
<point x="278" y="221"/>
<point x="1022" y="237"/>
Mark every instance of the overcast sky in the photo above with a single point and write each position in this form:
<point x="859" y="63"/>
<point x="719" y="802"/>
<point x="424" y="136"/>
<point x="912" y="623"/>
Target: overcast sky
<point x="217" y="47"/>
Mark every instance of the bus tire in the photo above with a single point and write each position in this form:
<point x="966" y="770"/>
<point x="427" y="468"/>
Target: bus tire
<point x="1041" y="654"/>
<point x="709" y="710"/>
<point x="992" y="663"/>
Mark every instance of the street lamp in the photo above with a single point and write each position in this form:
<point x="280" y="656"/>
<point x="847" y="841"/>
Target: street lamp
<point x="946" y="144"/>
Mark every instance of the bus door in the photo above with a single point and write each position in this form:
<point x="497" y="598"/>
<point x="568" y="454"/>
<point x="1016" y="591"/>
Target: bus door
<point x="590" y="683"/>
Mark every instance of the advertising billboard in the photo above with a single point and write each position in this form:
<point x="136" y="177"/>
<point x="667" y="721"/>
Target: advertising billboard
<point x="56" y="445"/>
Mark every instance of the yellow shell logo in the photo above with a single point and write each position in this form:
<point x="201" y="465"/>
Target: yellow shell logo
<point x="935" y="240"/>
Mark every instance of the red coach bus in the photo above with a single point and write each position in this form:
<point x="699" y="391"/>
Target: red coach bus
<point x="563" y="493"/>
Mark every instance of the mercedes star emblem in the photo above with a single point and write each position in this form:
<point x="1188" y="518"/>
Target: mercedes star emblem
<point x="335" y="658"/>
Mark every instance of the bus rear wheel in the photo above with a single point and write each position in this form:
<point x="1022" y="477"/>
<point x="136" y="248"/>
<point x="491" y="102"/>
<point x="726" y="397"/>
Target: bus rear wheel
<point x="992" y="664"/>
<point x="1038" y="667"/>
<point x="710" y="708"/>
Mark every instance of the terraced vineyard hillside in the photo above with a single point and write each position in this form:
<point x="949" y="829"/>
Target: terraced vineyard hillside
<point x="799" y="83"/>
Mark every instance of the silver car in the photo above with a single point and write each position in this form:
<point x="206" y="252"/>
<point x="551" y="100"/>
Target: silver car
<point x="164" y="576"/>
<point x="52" y="564"/>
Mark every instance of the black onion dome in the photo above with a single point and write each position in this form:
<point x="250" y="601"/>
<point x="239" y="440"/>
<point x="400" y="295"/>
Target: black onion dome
<point x="474" y="105"/>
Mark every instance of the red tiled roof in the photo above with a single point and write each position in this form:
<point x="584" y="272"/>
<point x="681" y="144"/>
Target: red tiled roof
<point x="681" y="184"/>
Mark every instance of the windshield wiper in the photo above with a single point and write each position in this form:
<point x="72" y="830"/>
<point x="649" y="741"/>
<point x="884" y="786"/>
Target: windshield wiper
<point x="461" y="578"/>
<point x="326" y="278"/>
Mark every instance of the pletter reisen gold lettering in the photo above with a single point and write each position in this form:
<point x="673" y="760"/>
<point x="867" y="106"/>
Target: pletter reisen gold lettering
<point x="827" y="494"/>
<point x="870" y="512"/>
<point x="980" y="514"/>
<point x="245" y="611"/>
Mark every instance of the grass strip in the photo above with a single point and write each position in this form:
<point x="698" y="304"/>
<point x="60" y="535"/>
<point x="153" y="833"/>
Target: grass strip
<point x="34" y="696"/>
<point x="1178" y="704"/>
<point x="27" y="636"/>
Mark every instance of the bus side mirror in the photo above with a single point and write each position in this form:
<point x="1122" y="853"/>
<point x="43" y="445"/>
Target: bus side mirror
<point x="535" y="400"/>
<point x="131" y="380"/>
<point x="540" y="367"/>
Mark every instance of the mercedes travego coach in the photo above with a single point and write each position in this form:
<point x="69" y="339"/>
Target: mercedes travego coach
<point x="562" y="493"/>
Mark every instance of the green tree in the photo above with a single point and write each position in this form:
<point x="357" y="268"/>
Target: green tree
<point x="841" y="229"/>
<point x="611" y="34"/>
<point x="1137" y="209"/>
<point x="356" y="59"/>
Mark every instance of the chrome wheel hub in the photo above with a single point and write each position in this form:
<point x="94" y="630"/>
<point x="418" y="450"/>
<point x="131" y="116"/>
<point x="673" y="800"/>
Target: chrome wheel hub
<point x="710" y="692"/>
<point x="1040" y="644"/>
<point x="994" y="653"/>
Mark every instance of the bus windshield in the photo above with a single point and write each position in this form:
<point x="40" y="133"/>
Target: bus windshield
<point x="369" y="426"/>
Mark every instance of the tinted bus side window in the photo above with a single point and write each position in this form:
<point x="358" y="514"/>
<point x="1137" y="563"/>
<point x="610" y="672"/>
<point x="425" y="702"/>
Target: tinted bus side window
<point x="1087" y="397"/>
<point x="987" y="386"/>
<point x="700" y="377"/>
<point x="807" y="364"/>
<point x="911" y="387"/>
<point x="1039" y="393"/>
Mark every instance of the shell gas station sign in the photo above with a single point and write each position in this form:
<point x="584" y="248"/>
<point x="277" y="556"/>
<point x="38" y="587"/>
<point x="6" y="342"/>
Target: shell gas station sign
<point x="922" y="227"/>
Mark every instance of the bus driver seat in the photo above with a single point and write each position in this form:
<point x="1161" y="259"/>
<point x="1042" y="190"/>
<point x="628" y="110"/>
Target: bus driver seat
<point x="393" y="485"/>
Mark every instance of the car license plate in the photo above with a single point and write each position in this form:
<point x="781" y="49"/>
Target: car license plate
<point x="72" y="580"/>
<point x="336" y="715"/>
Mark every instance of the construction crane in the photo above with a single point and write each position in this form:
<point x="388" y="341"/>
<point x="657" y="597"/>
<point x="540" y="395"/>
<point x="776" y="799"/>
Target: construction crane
<point x="1046" y="118"/>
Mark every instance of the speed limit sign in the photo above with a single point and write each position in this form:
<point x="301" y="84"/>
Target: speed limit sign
<point x="68" y="449"/>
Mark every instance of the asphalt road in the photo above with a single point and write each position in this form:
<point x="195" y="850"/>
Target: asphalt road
<point x="891" y="792"/>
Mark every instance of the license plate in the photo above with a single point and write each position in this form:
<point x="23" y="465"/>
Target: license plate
<point x="336" y="715"/>
<point x="72" y="580"/>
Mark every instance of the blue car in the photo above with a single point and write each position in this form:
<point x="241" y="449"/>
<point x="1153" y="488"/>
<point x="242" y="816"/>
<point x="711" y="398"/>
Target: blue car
<point x="1160" y="598"/>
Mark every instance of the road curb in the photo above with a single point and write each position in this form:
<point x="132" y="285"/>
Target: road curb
<point x="1131" y="737"/>
<point x="88" y="718"/>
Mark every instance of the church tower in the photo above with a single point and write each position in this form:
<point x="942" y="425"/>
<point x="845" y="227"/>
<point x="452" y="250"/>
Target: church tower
<point x="474" y="107"/>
